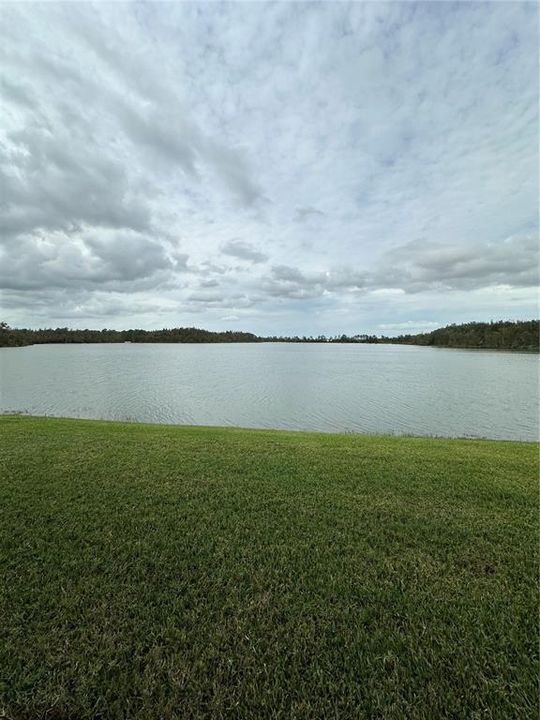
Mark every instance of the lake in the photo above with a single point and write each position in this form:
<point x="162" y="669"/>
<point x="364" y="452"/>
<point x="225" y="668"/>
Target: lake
<point x="358" y="388"/>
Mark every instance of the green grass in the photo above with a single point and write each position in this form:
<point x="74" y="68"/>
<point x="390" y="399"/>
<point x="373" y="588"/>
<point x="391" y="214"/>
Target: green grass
<point x="176" y="572"/>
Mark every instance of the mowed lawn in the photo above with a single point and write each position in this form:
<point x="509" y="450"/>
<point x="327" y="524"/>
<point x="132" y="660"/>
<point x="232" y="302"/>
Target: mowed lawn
<point x="176" y="572"/>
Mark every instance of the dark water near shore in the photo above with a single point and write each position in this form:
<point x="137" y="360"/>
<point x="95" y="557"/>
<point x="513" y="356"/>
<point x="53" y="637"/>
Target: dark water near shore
<point x="359" y="388"/>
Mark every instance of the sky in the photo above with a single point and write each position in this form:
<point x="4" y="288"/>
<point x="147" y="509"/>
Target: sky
<point x="279" y="168"/>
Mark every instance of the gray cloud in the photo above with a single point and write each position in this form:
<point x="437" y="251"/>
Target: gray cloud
<point x="421" y="265"/>
<point x="231" y="167"/>
<point x="59" y="182"/>
<point x="290" y="282"/>
<point x="84" y="259"/>
<point x="166" y="136"/>
<point x="301" y="213"/>
<point x="17" y="93"/>
<point x="219" y="300"/>
<point x="243" y="250"/>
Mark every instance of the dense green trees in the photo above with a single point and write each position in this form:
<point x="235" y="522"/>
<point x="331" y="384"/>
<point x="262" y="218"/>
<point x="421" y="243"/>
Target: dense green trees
<point x="503" y="335"/>
<point x="10" y="337"/>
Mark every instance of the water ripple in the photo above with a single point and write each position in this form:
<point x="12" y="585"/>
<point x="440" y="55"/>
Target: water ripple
<point x="359" y="388"/>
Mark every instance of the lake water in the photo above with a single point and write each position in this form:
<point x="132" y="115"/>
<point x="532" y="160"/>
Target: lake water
<point x="359" y="388"/>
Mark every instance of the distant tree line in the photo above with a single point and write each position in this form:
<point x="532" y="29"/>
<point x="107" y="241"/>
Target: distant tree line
<point x="15" y="337"/>
<point x="497" y="335"/>
<point x="322" y="339"/>
<point x="502" y="335"/>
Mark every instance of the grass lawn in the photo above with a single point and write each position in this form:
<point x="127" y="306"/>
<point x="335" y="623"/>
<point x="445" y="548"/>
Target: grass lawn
<point x="176" y="572"/>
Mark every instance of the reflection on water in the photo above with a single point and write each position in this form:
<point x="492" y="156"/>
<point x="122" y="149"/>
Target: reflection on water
<point x="361" y="388"/>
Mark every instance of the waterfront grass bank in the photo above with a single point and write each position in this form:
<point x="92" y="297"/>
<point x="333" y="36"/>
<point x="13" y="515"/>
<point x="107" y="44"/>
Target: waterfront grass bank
<point x="178" y="572"/>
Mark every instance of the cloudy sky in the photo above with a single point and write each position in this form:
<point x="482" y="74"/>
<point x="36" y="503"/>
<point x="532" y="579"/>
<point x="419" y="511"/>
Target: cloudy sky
<point x="273" y="167"/>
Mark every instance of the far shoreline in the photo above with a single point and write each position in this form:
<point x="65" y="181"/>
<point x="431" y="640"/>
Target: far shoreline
<point x="494" y="335"/>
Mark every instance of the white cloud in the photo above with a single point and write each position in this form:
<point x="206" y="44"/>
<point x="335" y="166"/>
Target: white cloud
<point x="302" y="164"/>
